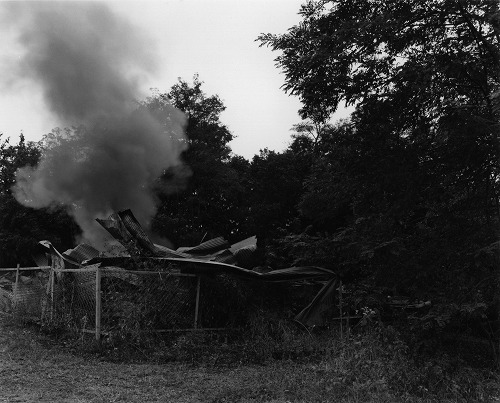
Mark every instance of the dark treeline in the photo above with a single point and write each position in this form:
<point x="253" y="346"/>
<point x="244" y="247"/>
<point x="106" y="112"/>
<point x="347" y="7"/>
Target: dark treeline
<point x="405" y="195"/>
<point x="402" y="197"/>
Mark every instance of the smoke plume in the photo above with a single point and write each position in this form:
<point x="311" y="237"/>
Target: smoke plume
<point x="89" y="63"/>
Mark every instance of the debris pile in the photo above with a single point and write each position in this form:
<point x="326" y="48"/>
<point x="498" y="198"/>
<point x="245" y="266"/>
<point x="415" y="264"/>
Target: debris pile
<point x="213" y="257"/>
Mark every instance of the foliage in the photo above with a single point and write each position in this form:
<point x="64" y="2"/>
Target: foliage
<point x="275" y="189"/>
<point x="213" y="200"/>
<point x="22" y="227"/>
<point x="371" y="365"/>
<point x="405" y="194"/>
<point x="354" y="51"/>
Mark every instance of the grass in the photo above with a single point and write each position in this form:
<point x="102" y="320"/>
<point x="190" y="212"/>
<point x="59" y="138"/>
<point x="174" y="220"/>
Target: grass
<point x="272" y="363"/>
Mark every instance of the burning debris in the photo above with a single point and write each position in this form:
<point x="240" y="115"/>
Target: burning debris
<point x="210" y="259"/>
<point x="143" y="273"/>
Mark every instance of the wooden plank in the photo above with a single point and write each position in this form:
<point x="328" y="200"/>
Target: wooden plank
<point x="341" y="307"/>
<point x="159" y="272"/>
<point x="350" y="317"/>
<point x="52" y="284"/>
<point x="92" y="331"/>
<point x="25" y="268"/>
<point x="16" y="288"/>
<point x="88" y="269"/>
<point x="97" y="304"/>
<point x="200" y="329"/>
<point x="208" y="329"/>
<point x="197" y="305"/>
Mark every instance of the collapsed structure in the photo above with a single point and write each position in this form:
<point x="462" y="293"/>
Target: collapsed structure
<point x="210" y="261"/>
<point x="151" y="286"/>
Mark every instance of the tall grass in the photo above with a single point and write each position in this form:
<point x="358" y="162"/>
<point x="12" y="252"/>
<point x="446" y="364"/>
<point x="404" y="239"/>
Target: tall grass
<point x="372" y="364"/>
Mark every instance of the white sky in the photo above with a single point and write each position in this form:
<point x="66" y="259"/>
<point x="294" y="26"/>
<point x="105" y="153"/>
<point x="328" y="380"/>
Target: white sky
<point x="215" y="38"/>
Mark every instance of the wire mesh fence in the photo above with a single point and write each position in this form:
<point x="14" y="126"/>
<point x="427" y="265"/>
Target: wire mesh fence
<point x="114" y="301"/>
<point x="23" y="292"/>
<point x="71" y="299"/>
<point x="142" y="301"/>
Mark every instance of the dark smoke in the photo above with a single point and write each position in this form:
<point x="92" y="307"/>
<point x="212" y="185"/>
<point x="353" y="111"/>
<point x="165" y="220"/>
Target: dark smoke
<point x="89" y="63"/>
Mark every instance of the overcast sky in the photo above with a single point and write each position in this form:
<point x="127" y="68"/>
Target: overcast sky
<point x="214" y="38"/>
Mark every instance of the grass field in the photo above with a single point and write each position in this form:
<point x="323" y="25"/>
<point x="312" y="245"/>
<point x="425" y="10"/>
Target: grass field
<point x="35" y="368"/>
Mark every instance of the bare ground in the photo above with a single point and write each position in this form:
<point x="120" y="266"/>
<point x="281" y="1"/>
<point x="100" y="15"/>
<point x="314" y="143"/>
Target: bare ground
<point x="73" y="380"/>
<point x="32" y="371"/>
<point x="35" y="369"/>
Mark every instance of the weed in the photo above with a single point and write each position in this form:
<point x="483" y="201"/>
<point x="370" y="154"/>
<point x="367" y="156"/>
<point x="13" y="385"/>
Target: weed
<point x="282" y="362"/>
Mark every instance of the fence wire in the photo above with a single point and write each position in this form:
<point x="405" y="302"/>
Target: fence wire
<point x="139" y="302"/>
<point x="118" y="301"/>
<point x="224" y="302"/>
<point x="71" y="300"/>
<point x="142" y="301"/>
<point x="23" y="292"/>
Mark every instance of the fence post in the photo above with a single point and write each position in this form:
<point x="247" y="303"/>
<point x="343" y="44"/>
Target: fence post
<point x="197" y="305"/>
<point x="341" y="308"/>
<point x="16" y="289"/>
<point x="52" y="283"/>
<point x="98" y="304"/>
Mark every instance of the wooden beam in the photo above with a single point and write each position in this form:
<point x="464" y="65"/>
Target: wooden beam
<point x="97" y="304"/>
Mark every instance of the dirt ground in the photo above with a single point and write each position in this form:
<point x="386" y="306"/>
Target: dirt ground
<point x="31" y="371"/>
<point x="33" y="368"/>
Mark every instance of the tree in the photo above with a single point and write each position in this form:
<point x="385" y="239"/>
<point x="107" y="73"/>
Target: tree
<point x="212" y="200"/>
<point x="427" y="72"/>
<point x="357" y="50"/>
<point x="412" y="181"/>
<point x="21" y="228"/>
<point x="275" y="190"/>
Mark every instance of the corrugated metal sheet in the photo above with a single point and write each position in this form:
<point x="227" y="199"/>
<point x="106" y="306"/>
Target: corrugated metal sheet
<point x="207" y="247"/>
<point x="245" y="243"/>
<point x="81" y="252"/>
<point x="212" y="257"/>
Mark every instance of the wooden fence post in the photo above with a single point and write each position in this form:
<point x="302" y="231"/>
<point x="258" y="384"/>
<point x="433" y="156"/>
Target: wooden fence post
<point x="16" y="289"/>
<point x="52" y="284"/>
<point x="98" y="304"/>
<point x="197" y="305"/>
<point x="341" y="308"/>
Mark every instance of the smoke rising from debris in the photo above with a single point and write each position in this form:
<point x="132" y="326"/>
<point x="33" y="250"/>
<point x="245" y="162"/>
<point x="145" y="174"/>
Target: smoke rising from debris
<point x="89" y="62"/>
